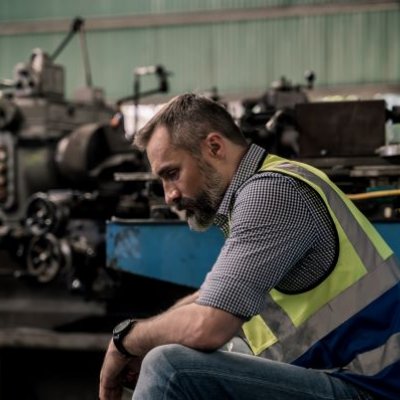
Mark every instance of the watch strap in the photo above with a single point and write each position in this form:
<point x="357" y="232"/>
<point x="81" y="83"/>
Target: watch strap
<point x="119" y="337"/>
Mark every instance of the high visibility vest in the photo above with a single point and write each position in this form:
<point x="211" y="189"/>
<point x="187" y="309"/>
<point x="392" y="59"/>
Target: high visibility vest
<point x="348" y="324"/>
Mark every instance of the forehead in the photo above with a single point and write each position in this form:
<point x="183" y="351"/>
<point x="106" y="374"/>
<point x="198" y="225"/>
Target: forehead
<point x="160" y="150"/>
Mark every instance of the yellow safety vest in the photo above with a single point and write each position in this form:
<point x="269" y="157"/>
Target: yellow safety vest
<point x="297" y="328"/>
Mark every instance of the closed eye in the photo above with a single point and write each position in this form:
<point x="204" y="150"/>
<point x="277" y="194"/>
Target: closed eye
<point x="171" y="174"/>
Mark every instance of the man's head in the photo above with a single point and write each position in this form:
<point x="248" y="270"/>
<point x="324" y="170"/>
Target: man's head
<point x="194" y="145"/>
<point x="189" y="118"/>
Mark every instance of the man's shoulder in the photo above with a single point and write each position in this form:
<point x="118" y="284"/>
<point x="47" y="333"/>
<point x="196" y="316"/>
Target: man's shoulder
<point x="268" y="179"/>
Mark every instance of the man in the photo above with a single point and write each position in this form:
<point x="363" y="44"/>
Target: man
<point x="303" y="278"/>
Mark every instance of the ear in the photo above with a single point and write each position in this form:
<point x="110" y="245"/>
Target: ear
<point x="215" y="145"/>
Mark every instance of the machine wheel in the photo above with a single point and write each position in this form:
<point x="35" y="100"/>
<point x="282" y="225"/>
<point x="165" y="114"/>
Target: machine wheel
<point x="46" y="256"/>
<point x="43" y="215"/>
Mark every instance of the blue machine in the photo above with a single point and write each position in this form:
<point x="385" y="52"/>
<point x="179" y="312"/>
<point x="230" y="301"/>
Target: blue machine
<point x="168" y="251"/>
<point x="390" y="231"/>
<point x="171" y="252"/>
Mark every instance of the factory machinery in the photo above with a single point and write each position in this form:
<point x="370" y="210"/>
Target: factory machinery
<point x="58" y="160"/>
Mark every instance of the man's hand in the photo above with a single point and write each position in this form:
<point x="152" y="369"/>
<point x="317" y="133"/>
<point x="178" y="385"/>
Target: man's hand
<point x="189" y="324"/>
<point x="117" y="371"/>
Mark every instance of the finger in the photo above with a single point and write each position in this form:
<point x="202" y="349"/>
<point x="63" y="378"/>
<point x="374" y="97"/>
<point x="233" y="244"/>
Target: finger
<point x="110" y="392"/>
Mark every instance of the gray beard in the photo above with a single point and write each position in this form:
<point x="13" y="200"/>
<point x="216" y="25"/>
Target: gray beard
<point x="201" y="211"/>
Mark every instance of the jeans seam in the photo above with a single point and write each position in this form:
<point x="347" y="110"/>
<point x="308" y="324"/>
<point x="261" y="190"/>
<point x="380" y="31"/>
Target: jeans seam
<point x="169" y="383"/>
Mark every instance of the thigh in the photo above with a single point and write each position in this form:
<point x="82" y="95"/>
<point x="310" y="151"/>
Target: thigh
<point x="175" y="372"/>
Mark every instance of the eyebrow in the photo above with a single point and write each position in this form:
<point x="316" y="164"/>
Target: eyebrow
<point x="163" y="170"/>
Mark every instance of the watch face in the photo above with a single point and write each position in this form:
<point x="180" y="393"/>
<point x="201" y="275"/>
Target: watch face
<point x="122" y="326"/>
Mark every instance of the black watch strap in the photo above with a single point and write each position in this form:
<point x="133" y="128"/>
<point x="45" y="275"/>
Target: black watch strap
<point x="119" y="333"/>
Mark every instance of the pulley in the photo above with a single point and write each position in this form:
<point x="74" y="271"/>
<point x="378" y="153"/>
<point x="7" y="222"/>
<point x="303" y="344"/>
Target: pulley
<point x="46" y="256"/>
<point x="45" y="214"/>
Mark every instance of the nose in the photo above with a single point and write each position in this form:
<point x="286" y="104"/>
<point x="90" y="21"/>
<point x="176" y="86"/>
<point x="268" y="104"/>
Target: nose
<point x="171" y="194"/>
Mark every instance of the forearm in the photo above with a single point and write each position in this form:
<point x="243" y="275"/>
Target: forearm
<point x="191" y="298"/>
<point x="191" y="325"/>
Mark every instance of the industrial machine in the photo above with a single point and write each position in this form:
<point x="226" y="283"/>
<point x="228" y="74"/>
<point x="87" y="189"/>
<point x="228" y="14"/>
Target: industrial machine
<point x="270" y="120"/>
<point x="58" y="159"/>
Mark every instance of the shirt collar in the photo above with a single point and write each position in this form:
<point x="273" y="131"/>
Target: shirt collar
<point x="248" y="166"/>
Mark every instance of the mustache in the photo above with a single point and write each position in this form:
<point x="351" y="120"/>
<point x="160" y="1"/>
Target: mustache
<point x="185" y="203"/>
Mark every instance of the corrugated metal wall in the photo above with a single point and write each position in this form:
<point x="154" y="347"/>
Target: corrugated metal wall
<point x="239" y="56"/>
<point x="45" y="9"/>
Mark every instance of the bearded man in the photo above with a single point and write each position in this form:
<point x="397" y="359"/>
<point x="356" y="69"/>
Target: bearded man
<point x="303" y="300"/>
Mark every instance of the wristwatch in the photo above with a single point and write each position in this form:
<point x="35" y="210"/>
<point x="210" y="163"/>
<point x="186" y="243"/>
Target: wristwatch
<point x="119" y="333"/>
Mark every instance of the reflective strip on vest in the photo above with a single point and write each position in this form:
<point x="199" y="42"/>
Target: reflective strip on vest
<point x="325" y="321"/>
<point x="366" y="268"/>
<point x="371" y="362"/>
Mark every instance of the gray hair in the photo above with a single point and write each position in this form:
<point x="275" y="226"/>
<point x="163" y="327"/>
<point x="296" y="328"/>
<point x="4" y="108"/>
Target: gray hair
<point x="189" y="118"/>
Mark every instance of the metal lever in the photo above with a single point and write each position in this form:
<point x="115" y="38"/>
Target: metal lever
<point x="77" y="26"/>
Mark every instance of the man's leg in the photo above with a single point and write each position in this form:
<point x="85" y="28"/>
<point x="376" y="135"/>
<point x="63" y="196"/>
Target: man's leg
<point x="175" y="372"/>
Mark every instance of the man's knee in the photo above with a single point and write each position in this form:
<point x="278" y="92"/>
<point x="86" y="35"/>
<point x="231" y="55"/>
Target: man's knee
<point x="166" y="356"/>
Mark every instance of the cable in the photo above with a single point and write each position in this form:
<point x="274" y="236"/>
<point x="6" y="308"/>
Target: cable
<point x="373" y="195"/>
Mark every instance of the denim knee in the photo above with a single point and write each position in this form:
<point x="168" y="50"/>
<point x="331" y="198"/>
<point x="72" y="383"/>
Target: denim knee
<point x="165" y="357"/>
<point x="161" y="367"/>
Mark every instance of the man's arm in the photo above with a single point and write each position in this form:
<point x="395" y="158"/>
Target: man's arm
<point x="192" y="325"/>
<point x="187" y="323"/>
<point x="191" y="298"/>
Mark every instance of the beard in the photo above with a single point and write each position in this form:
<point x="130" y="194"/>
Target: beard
<point x="201" y="210"/>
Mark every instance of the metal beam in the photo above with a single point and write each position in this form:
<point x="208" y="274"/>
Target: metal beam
<point x="199" y="17"/>
<point x="46" y="339"/>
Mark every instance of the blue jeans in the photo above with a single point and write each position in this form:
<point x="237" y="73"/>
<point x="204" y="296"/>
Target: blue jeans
<point x="175" y="372"/>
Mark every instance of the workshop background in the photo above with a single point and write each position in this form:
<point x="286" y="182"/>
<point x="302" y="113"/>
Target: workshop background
<point x="85" y="237"/>
<point x="238" y="46"/>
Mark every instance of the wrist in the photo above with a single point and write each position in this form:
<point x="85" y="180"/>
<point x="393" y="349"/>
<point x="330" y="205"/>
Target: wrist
<point x="120" y="331"/>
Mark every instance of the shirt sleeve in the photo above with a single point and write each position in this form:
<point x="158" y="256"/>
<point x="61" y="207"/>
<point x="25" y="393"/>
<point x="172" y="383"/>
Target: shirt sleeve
<point x="271" y="230"/>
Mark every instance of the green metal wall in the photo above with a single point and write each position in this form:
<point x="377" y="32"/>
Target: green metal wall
<point x="241" y="56"/>
<point x="45" y="9"/>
